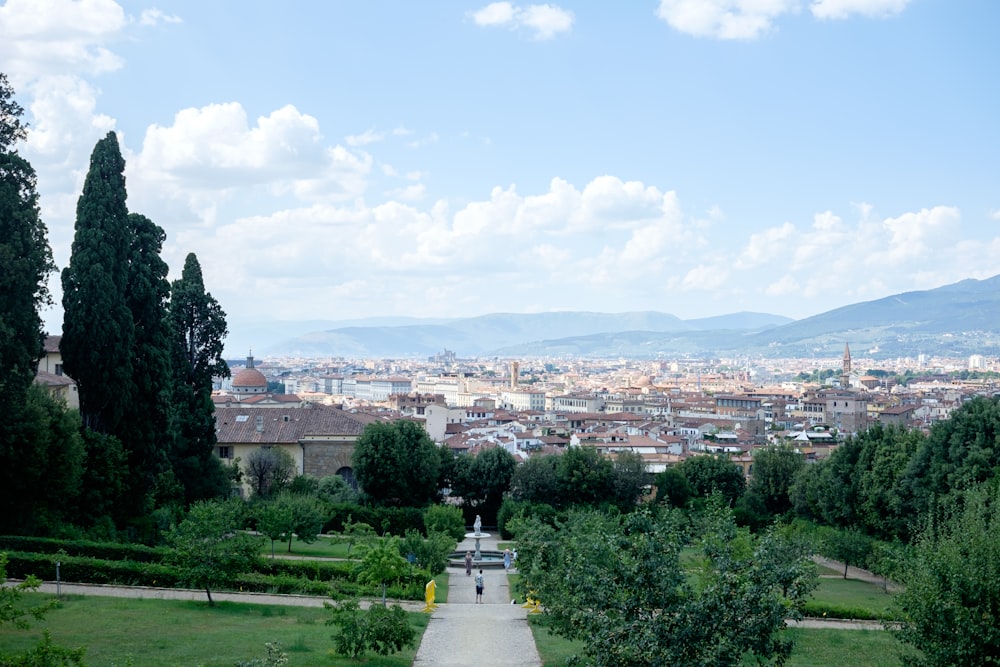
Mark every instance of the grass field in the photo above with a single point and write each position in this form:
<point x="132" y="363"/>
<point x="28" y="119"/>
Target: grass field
<point x="323" y="547"/>
<point x="166" y="633"/>
<point x="853" y="593"/>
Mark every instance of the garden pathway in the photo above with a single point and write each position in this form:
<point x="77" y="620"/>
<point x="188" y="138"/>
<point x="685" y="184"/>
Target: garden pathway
<point x="464" y="633"/>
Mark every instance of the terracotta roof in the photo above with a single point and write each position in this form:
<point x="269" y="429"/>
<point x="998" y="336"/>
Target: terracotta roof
<point x="238" y="424"/>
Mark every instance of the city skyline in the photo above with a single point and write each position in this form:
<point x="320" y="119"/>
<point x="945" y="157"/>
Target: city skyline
<point x="352" y="160"/>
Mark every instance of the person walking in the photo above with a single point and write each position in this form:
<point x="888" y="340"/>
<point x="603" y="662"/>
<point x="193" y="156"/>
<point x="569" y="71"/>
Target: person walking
<point x="506" y="560"/>
<point x="479" y="587"/>
<point x="468" y="563"/>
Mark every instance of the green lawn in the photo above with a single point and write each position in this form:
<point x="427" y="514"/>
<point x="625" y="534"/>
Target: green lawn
<point x="323" y="547"/>
<point x="852" y="593"/>
<point x="813" y="648"/>
<point x="165" y="633"/>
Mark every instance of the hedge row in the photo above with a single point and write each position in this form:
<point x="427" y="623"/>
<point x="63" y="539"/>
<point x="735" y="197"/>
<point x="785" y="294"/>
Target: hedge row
<point x="89" y="548"/>
<point x="813" y="609"/>
<point x="333" y="579"/>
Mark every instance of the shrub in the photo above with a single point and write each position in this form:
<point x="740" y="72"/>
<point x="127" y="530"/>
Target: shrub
<point x="445" y="519"/>
<point x="381" y="629"/>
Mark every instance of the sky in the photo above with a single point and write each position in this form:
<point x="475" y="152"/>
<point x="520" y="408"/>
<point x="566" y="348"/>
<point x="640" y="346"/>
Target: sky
<point x="350" y="159"/>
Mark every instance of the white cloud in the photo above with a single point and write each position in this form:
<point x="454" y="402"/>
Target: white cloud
<point x="995" y="214"/>
<point x="842" y="9"/>
<point x="365" y="138"/>
<point x="58" y="37"/>
<point x="724" y="19"/>
<point x="152" y="17"/>
<point x="429" y="139"/>
<point x="543" y="21"/>
<point x="752" y="19"/>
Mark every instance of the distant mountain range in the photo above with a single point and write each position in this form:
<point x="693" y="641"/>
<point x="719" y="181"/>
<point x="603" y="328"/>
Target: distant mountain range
<point x="955" y="320"/>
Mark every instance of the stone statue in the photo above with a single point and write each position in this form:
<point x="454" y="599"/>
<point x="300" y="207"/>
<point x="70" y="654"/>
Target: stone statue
<point x="478" y="525"/>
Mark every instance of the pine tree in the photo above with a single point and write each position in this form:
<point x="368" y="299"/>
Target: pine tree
<point x="98" y="331"/>
<point x="197" y="330"/>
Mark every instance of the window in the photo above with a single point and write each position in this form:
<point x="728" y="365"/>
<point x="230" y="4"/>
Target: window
<point x="225" y="452"/>
<point x="59" y="370"/>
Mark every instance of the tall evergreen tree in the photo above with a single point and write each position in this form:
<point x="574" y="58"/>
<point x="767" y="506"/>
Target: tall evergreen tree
<point x="25" y="260"/>
<point x="143" y="428"/>
<point x="197" y="331"/>
<point x="98" y="331"/>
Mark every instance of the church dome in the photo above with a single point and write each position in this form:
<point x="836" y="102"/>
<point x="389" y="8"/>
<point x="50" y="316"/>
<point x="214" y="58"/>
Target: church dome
<point x="249" y="380"/>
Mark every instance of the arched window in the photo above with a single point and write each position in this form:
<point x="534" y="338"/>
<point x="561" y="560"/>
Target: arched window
<point x="348" y="475"/>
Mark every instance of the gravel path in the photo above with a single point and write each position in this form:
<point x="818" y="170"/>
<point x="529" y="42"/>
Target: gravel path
<point x="464" y="633"/>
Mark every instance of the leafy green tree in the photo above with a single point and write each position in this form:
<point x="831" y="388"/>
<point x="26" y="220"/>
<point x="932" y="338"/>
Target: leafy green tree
<point x="673" y="487"/>
<point x="41" y="464"/>
<point x="430" y="553"/>
<point x="396" y="464"/>
<point x="335" y="489"/>
<point x="485" y="479"/>
<point x="537" y="480"/>
<point x="774" y="470"/>
<point x="197" y="331"/>
<point x="268" y="470"/>
<point x="274" y="521"/>
<point x="381" y="629"/>
<point x="585" y="477"/>
<point x="951" y="598"/>
<point x="615" y="583"/>
<point x="12" y="610"/>
<point x="959" y="454"/>
<point x="446" y="519"/>
<point x="307" y="517"/>
<point x="629" y="479"/>
<point x="710" y="474"/>
<point x="98" y="331"/>
<point x="209" y="546"/>
<point x="886" y="452"/>
<point x="826" y="491"/>
<point x="381" y="563"/>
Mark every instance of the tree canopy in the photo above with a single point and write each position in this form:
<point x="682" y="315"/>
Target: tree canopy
<point x="396" y="464"/>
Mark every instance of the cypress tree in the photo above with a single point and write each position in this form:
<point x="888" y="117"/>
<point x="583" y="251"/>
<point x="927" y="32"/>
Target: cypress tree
<point x="143" y="428"/>
<point x="98" y="331"/>
<point x="197" y="330"/>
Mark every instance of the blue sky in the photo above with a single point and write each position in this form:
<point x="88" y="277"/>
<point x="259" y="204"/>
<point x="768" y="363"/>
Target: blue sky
<point x="336" y="160"/>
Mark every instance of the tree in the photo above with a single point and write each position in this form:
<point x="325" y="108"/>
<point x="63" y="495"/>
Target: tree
<point x="396" y="464"/>
<point x="446" y="519"/>
<point x="585" y="477"/>
<point x="485" y="479"/>
<point x="197" y="330"/>
<point x="774" y="470"/>
<point x="274" y="521"/>
<point x="335" y="489"/>
<point x="41" y="464"/>
<point x="25" y="260"/>
<point x="144" y="423"/>
<point x="673" y="487"/>
<point x="98" y="331"/>
<point x="45" y="654"/>
<point x="951" y="597"/>
<point x="381" y="563"/>
<point x="381" y="629"/>
<point x="616" y="584"/>
<point x="209" y="547"/>
<point x="268" y="471"/>
<point x="537" y="480"/>
<point x="711" y="474"/>
<point x="629" y="479"/>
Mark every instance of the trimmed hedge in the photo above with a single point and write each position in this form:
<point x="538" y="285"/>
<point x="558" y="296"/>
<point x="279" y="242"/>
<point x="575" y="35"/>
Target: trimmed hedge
<point x="813" y="609"/>
<point x="301" y="577"/>
<point x="102" y="550"/>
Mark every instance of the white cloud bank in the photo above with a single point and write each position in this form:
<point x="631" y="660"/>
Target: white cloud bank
<point x="543" y="21"/>
<point x="752" y="19"/>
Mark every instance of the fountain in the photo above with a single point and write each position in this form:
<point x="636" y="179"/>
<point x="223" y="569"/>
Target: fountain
<point x="488" y="558"/>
